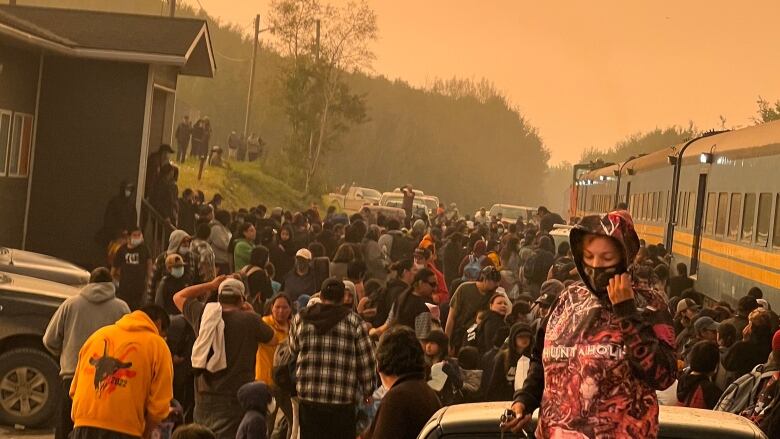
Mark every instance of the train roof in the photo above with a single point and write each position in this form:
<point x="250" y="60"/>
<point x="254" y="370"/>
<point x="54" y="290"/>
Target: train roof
<point x="755" y="141"/>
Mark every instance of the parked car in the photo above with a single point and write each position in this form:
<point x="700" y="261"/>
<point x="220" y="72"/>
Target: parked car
<point x="396" y="199"/>
<point x="560" y="233"/>
<point x="41" y="267"/>
<point x="481" y="420"/>
<point x="511" y="213"/>
<point x="350" y="199"/>
<point x="30" y="387"/>
<point x="388" y="212"/>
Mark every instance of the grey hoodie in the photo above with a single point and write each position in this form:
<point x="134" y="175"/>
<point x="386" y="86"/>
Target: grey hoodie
<point x="77" y="318"/>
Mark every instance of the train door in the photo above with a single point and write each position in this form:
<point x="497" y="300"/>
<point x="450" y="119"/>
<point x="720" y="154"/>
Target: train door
<point x="628" y="193"/>
<point x="698" y="227"/>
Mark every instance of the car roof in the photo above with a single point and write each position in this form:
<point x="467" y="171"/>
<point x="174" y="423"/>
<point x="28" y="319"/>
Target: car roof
<point x="25" y="284"/>
<point x="675" y="422"/>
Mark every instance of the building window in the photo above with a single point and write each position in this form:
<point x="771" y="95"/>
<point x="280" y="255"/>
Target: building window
<point x="734" y="212"/>
<point x="723" y="208"/>
<point x="21" y="144"/>
<point x="5" y="135"/>
<point x="764" y="216"/>
<point x="709" y="223"/>
<point x="748" y="217"/>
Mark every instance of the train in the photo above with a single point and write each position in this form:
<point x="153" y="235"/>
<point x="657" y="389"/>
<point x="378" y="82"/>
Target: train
<point x="714" y="200"/>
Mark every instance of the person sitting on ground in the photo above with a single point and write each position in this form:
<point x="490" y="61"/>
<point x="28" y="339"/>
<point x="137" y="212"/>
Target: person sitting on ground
<point x="695" y="388"/>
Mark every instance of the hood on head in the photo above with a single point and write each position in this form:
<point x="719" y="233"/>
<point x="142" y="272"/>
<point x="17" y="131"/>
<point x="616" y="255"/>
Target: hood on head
<point x="616" y="225"/>
<point x="177" y="236"/>
<point x="324" y="316"/>
<point x="98" y="292"/>
<point x="254" y="396"/>
<point x="518" y="328"/>
<point x="137" y="321"/>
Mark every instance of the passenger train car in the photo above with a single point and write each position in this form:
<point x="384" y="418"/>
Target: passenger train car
<point x="714" y="200"/>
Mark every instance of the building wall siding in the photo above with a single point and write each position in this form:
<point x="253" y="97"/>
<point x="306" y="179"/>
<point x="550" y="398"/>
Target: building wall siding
<point x="90" y="125"/>
<point x="18" y="88"/>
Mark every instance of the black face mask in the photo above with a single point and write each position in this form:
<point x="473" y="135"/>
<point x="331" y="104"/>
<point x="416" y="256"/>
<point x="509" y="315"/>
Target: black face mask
<point x="598" y="277"/>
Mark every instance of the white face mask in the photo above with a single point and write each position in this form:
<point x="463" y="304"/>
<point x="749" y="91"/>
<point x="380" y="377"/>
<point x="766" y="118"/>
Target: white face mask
<point x="136" y="241"/>
<point x="184" y="250"/>
<point x="419" y="266"/>
<point x="128" y="192"/>
<point x="177" y="272"/>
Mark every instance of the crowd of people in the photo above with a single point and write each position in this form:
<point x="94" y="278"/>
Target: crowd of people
<point x="297" y="324"/>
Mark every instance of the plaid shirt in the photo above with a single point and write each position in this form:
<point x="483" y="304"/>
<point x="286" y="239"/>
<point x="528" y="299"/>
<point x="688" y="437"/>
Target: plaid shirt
<point x="337" y="367"/>
<point x="203" y="258"/>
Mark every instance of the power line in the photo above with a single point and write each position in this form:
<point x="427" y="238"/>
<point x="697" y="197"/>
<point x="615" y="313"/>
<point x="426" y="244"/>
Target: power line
<point x="231" y="58"/>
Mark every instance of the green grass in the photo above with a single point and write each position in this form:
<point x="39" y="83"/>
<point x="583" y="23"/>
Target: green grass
<point x="242" y="184"/>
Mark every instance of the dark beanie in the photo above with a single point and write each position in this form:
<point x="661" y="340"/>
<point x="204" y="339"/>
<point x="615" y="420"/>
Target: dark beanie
<point x="704" y="357"/>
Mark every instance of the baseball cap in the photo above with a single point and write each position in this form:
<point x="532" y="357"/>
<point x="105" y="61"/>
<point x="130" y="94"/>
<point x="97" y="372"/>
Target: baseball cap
<point x="705" y="323"/>
<point x="303" y="253"/>
<point x="231" y="287"/>
<point x="551" y="286"/>
<point x="546" y="300"/>
<point x="686" y="304"/>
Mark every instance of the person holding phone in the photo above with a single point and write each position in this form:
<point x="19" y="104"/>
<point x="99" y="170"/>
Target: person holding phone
<point x="604" y="349"/>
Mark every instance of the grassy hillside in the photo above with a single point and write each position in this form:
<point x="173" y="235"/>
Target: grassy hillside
<point x="242" y="185"/>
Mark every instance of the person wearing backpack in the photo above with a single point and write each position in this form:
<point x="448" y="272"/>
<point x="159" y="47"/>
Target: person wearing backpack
<point x="394" y="243"/>
<point x="473" y="263"/>
<point x="537" y="267"/>
<point x="257" y="283"/>
<point x="279" y="320"/>
<point x="695" y="388"/>
<point x="768" y="390"/>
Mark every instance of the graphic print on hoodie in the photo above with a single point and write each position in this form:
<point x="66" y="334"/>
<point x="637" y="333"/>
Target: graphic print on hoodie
<point x="602" y="363"/>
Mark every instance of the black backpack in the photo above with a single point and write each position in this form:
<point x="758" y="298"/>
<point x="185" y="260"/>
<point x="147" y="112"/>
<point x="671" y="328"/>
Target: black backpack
<point x="402" y="247"/>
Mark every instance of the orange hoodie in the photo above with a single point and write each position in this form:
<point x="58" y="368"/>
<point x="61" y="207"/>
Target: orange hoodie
<point x="124" y="375"/>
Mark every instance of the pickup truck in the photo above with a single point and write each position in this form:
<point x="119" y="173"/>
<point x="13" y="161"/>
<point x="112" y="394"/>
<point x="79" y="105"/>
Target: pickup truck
<point x="350" y="199"/>
<point x="30" y="386"/>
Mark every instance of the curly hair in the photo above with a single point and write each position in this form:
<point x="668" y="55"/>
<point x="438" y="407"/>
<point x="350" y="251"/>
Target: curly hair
<point x="399" y="352"/>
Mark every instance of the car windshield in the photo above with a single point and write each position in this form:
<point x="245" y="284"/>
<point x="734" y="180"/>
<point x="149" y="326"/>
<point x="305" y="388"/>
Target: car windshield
<point x="508" y="211"/>
<point x="371" y="193"/>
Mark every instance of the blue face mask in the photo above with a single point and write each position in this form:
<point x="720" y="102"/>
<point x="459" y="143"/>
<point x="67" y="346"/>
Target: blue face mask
<point x="177" y="272"/>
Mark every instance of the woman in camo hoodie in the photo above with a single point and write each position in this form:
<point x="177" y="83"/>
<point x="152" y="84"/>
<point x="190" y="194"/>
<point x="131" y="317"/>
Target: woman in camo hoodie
<point x="605" y="348"/>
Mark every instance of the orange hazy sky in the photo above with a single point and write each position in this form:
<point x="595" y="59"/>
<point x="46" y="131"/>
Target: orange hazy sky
<point x="585" y="73"/>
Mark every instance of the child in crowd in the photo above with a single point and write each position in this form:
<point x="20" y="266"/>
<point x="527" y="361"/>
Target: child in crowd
<point x="695" y="387"/>
<point x="511" y="364"/>
<point x="444" y="375"/>
<point x="256" y="400"/>
<point x="468" y="361"/>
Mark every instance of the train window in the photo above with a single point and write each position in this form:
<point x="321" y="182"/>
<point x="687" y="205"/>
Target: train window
<point x="686" y="199"/>
<point x="709" y="224"/>
<point x="660" y="202"/>
<point x="776" y="233"/>
<point x="734" y="212"/>
<point x="690" y="218"/>
<point x="651" y="197"/>
<point x="723" y="208"/>
<point x="748" y="217"/>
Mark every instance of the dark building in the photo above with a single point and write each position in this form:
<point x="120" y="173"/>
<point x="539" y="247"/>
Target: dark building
<point x="85" y="97"/>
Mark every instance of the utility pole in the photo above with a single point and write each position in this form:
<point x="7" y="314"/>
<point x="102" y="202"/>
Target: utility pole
<point x="171" y="5"/>
<point x="252" y="77"/>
